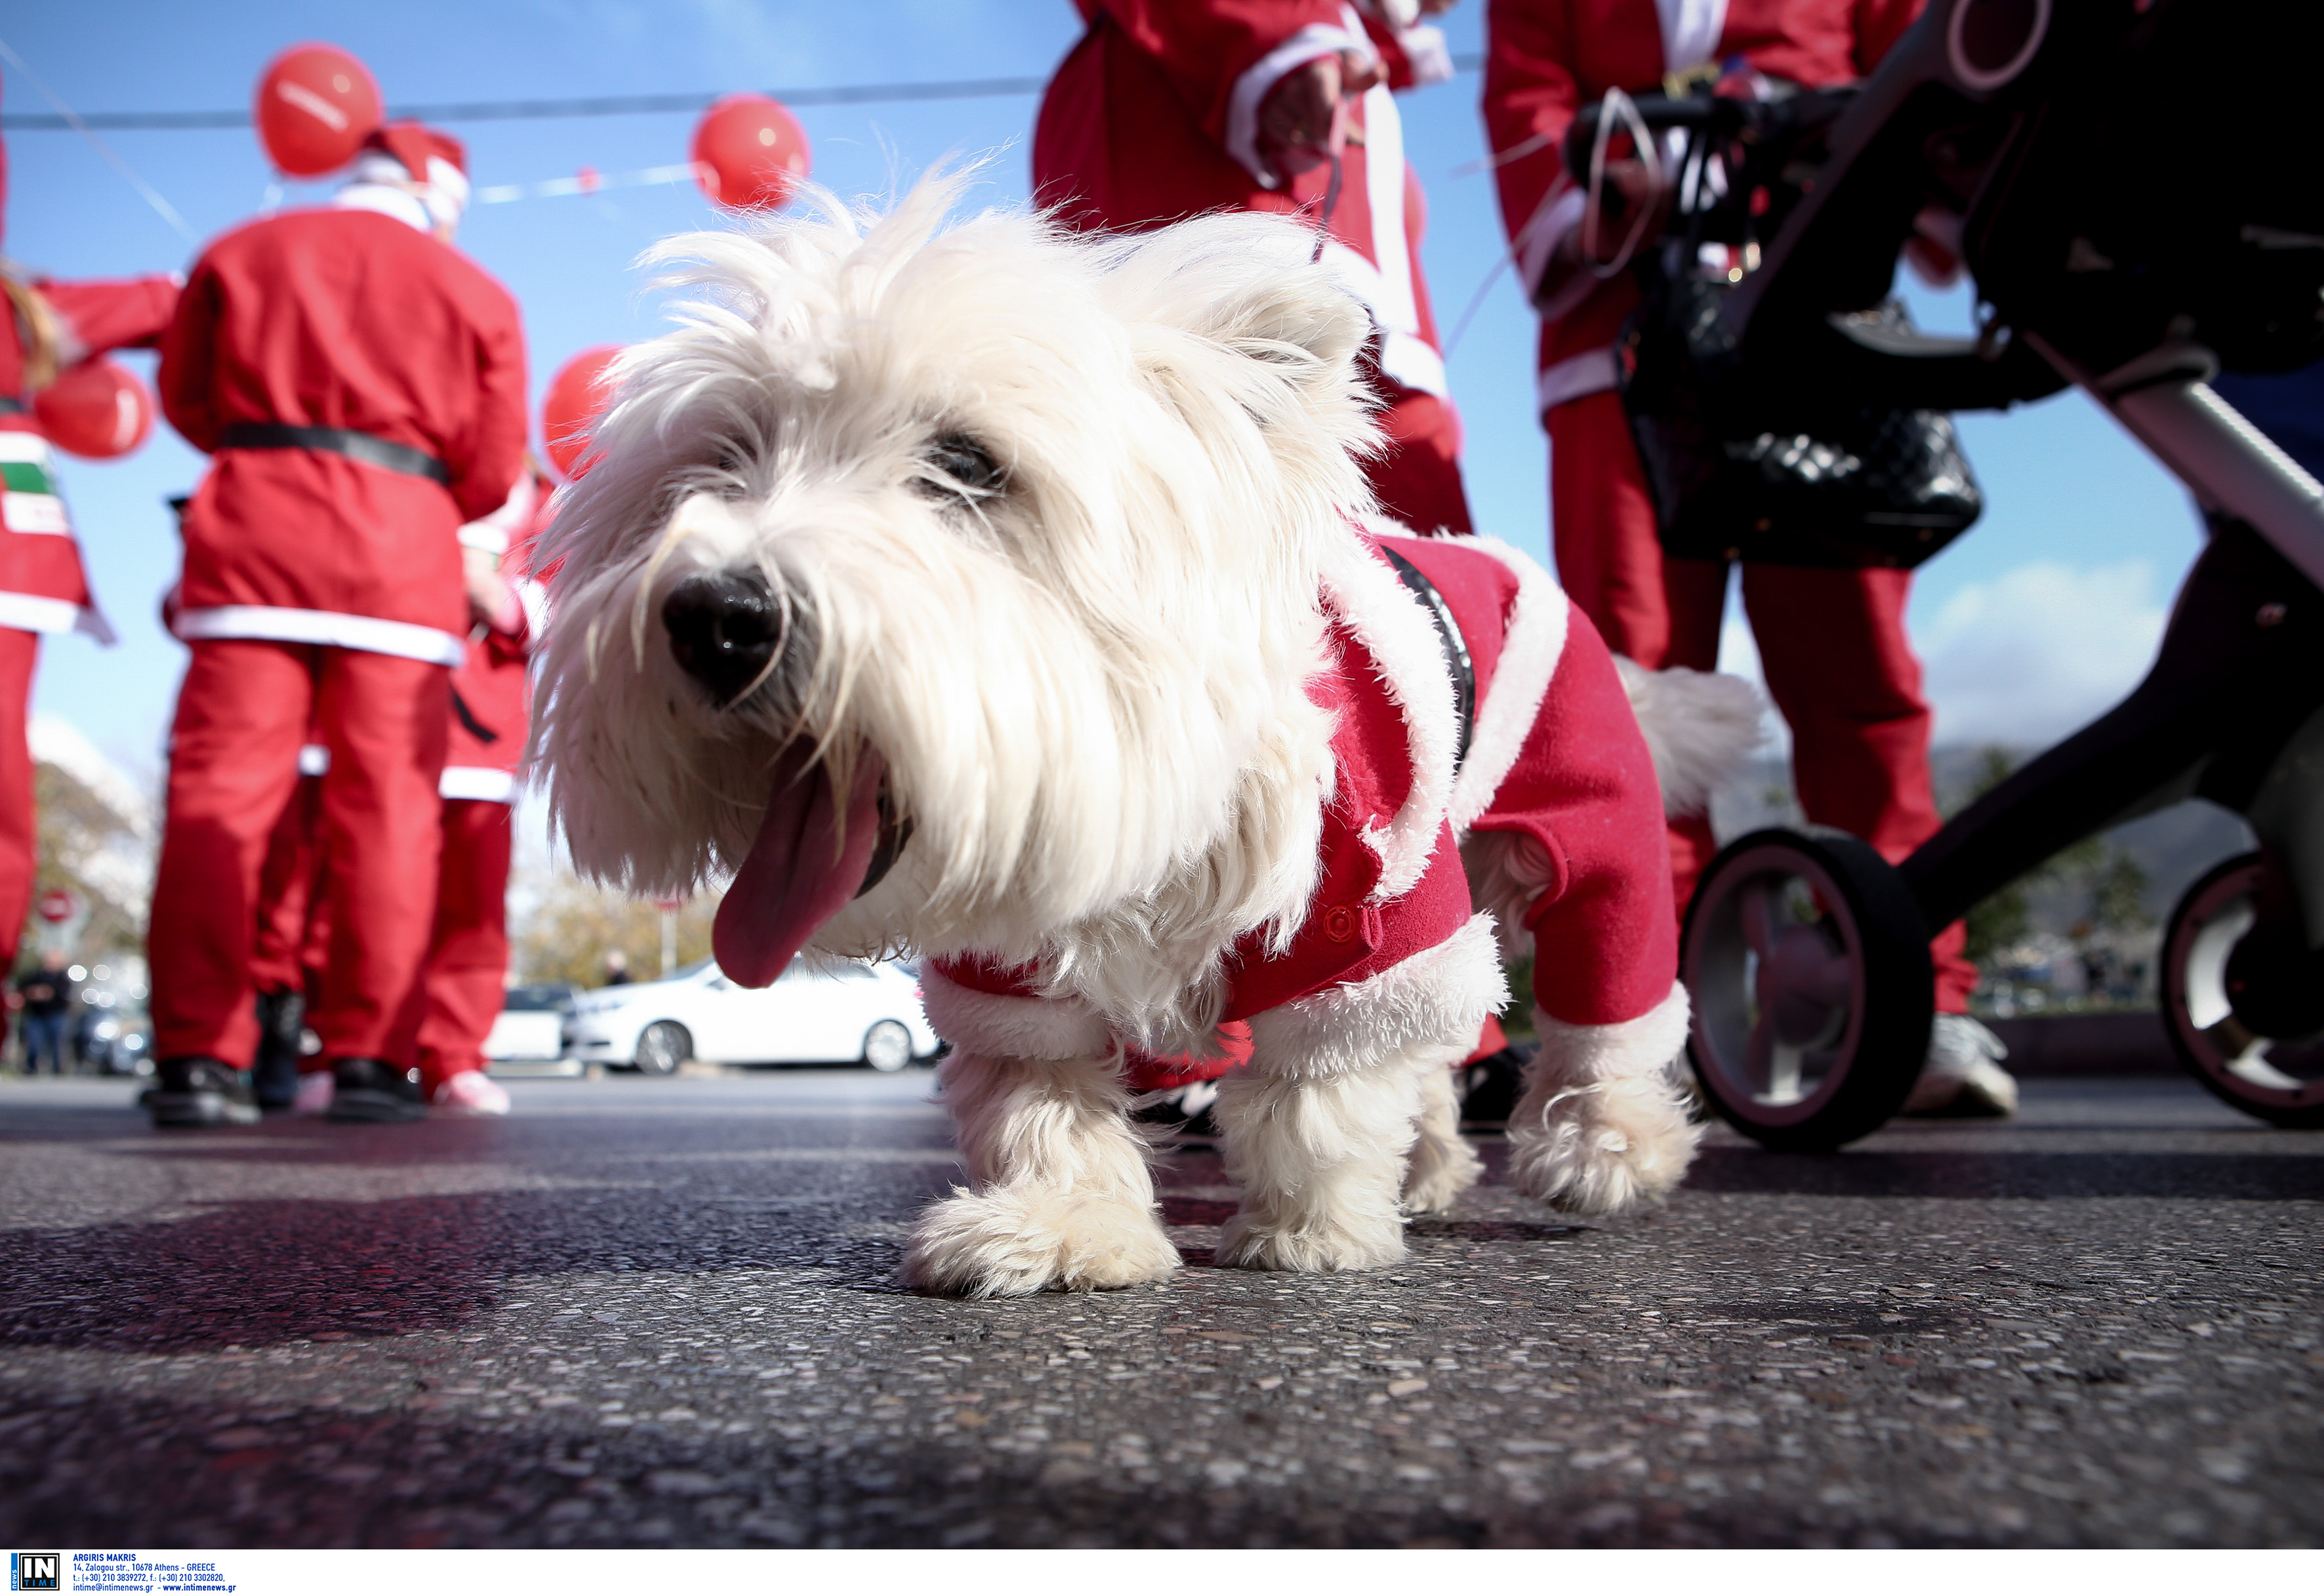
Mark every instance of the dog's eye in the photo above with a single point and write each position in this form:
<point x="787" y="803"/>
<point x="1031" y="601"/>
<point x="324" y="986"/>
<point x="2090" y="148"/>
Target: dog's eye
<point x="964" y="468"/>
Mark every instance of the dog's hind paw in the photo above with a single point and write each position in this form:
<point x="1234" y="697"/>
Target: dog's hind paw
<point x="1013" y="1242"/>
<point x="1601" y="1149"/>
<point x="1439" y="1173"/>
<point x="1315" y="1248"/>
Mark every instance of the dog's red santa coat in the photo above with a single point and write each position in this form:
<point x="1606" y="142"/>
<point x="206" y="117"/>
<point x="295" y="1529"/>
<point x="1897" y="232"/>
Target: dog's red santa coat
<point x="1556" y="755"/>
<point x="1153" y="117"/>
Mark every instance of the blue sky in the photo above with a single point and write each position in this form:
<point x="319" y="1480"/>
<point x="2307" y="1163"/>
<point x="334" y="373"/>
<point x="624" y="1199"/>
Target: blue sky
<point x="2039" y="617"/>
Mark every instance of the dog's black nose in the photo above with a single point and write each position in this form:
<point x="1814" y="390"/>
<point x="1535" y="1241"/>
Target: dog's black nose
<point x="725" y="630"/>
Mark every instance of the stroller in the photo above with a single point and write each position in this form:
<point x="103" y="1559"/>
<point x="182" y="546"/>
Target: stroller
<point x="2131" y="181"/>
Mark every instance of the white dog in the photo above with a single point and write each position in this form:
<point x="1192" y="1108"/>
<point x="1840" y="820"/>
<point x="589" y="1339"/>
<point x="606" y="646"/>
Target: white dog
<point x="1008" y="597"/>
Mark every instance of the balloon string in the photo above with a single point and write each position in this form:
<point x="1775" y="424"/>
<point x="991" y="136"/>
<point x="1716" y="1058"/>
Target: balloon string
<point x="168" y="212"/>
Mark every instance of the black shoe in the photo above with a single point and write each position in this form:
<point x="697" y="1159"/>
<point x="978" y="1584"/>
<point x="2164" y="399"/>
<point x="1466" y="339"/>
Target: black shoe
<point x="275" y="1076"/>
<point x="194" y="1092"/>
<point x="373" y="1092"/>
<point x="1491" y="1087"/>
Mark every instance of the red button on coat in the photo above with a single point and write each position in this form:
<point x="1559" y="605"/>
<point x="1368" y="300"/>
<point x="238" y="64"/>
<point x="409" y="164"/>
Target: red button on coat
<point x="1340" y="923"/>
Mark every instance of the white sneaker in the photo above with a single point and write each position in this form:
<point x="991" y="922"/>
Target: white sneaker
<point x="1963" y="1077"/>
<point x="313" y="1099"/>
<point x="470" y="1093"/>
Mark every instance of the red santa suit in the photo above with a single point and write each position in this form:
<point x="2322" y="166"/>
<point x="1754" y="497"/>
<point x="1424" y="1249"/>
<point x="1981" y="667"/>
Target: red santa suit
<point x="1153" y="117"/>
<point x="464" y="982"/>
<point x="361" y="385"/>
<point x="42" y="586"/>
<point x="1832" y="643"/>
<point x="1553" y="754"/>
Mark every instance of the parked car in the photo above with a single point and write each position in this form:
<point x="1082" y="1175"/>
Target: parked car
<point x="830" y="1013"/>
<point x="113" y="1041"/>
<point x="528" y="1037"/>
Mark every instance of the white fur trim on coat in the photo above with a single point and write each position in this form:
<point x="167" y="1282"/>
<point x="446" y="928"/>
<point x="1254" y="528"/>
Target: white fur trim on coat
<point x="1373" y="604"/>
<point x="1434" y="1000"/>
<point x="1251" y="90"/>
<point x="477" y="784"/>
<point x="1700" y="727"/>
<point x="1530" y="650"/>
<point x="1577" y="376"/>
<point x="1691" y="30"/>
<point x="30" y="612"/>
<point x="366" y="634"/>
<point x="995" y="1026"/>
<point x="1585" y="1055"/>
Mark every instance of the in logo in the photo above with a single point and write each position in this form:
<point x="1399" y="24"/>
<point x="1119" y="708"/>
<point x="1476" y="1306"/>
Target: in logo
<point x="35" y="1570"/>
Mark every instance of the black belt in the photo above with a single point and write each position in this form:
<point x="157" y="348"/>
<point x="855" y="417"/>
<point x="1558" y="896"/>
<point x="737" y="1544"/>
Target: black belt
<point x="338" y="440"/>
<point x="1457" y="662"/>
<point x="11" y="407"/>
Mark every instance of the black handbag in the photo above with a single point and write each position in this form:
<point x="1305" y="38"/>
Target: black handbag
<point x="1777" y="472"/>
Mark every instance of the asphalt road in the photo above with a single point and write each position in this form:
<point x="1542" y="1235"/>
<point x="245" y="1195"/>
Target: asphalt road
<point x="661" y="1312"/>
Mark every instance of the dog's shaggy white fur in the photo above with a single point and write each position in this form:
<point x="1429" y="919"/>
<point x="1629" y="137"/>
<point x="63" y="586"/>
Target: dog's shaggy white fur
<point x="1080" y="675"/>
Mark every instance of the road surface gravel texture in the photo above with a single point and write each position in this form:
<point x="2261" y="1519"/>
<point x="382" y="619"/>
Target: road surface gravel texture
<point x="662" y="1312"/>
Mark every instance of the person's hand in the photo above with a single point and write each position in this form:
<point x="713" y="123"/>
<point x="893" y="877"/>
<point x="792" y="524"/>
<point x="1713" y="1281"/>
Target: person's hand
<point x="1299" y="121"/>
<point x="489" y="595"/>
<point x="1629" y="187"/>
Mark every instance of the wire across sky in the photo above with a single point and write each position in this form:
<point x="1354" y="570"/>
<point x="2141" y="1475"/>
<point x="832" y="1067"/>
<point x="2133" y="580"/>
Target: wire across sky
<point x="631" y="104"/>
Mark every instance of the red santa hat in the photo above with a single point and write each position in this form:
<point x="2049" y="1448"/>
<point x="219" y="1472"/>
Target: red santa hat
<point x="436" y="162"/>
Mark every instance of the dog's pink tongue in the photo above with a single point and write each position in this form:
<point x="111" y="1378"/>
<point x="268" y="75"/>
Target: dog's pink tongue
<point x="798" y="874"/>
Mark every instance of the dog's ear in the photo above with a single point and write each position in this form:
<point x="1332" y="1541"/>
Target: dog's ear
<point x="1248" y="281"/>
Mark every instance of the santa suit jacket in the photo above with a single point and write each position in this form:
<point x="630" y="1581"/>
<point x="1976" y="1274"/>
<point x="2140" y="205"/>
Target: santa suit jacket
<point x="43" y="586"/>
<point x="349" y="319"/>
<point x="1555" y="752"/>
<point x="1546" y="58"/>
<point x="1153" y="117"/>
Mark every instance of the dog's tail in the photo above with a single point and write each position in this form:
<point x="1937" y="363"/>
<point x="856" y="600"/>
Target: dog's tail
<point x="1700" y="726"/>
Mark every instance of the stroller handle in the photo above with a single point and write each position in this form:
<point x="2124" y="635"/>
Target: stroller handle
<point x="1658" y="111"/>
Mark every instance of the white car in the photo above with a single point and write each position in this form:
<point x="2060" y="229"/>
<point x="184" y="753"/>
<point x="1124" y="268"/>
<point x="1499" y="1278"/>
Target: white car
<point x="836" y="1014"/>
<point x="528" y="1037"/>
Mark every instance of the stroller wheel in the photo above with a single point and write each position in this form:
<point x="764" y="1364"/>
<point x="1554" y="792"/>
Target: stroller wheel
<point x="1809" y="970"/>
<point x="2277" y="1079"/>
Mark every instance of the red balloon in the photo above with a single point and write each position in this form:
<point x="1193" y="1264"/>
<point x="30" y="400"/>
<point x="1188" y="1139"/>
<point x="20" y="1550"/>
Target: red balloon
<point x="748" y="152"/>
<point x="96" y="410"/>
<point x="315" y="105"/>
<point x="576" y="397"/>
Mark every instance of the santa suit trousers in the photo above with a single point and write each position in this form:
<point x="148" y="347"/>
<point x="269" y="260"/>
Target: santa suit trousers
<point x="19" y="828"/>
<point x="466" y="977"/>
<point x="244" y="711"/>
<point x="1831" y="643"/>
<point x="292" y="936"/>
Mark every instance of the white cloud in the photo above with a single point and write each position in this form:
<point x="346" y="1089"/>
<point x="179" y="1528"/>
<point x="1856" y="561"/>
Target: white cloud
<point x="2039" y="650"/>
<point x="2023" y="660"/>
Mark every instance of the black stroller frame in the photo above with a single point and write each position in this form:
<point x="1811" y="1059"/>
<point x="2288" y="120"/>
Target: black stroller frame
<point x="2117" y="253"/>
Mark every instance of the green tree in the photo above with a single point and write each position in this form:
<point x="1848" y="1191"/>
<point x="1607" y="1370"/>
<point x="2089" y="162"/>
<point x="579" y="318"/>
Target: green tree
<point x="575" y="926"/>
<point x="78" y="834"/>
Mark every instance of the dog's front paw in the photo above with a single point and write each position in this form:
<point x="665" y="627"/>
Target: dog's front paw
<point x="1013" y="1242"/>
<point x="1601" y="1149"/>
<point x="1314" y="1246"/>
